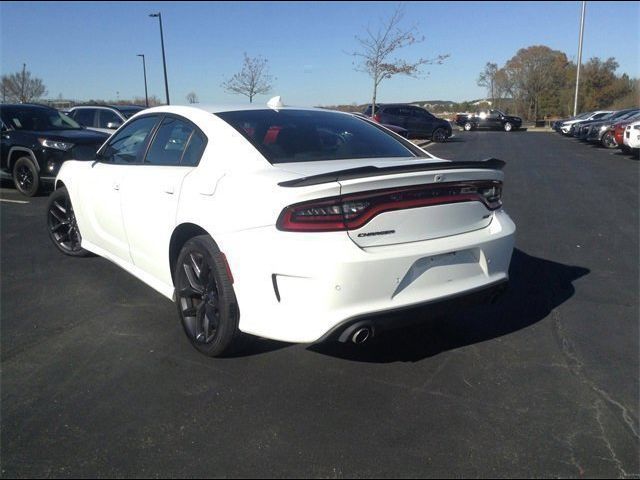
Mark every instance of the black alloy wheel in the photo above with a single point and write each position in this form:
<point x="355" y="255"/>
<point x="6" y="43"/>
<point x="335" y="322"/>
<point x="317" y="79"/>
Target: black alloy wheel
<point x="25" y="177"/>
<point x="205" y="298"/>
<point x="62" y="225"/>
<point x="439" y="135"/>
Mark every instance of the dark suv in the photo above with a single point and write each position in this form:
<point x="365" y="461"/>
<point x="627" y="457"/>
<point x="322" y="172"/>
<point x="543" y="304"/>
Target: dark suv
<point x="416" y="120"/>
<point x="36" y="139"/>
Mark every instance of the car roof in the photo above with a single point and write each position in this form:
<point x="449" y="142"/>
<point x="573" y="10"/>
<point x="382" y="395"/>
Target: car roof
<point x="114" y="107"/>
<point x="220" y="108"/>
<point x="26" y="105"/>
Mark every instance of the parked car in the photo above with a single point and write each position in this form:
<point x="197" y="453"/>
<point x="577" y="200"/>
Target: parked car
<point x="632" y="136"/>
<point x="565" y="127"/>
<point x="403" y="132"/>
<point x="416" y="120"/>
<point x="36" y="140"/>
<point x="492" y="119"/>
<point x="618" y="132"/>
<point x="597" y="130"/>
<point x="581" y="129"/>
<point x="103" y="118"/>
<point x="294" y="224"/>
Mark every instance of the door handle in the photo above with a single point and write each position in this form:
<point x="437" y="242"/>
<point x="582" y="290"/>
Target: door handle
<point x="168" y="189"/>
<point x="116" y="185"/>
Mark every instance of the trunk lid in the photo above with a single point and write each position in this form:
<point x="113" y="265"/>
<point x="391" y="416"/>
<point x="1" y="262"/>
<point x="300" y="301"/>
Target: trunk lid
<point x="406" y="200"/>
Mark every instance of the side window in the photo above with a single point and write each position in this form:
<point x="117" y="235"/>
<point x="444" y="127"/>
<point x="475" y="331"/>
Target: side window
<point x="128" y="145"/>
<point x="169" y="143"/>
<point x="106" y="117"/>
<point x="194" y="150"/>
<point x="420" y="113"/>
<point x="84" y="116"/>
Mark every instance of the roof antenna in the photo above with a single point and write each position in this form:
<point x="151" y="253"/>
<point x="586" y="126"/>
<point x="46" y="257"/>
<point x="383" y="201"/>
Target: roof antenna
<point x="275" y="103"/>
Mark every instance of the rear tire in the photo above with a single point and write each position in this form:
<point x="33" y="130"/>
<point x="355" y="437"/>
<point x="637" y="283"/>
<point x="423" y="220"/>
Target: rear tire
<point x="468" y="127"/>
<point x="439" y="135"/>
<point x="62" y="226"/>
<point x="205" y="298"/>
<point x="508" y="127"/>
<point x="26" y="177"/>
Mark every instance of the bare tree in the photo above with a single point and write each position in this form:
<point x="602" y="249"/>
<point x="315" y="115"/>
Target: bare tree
<point x="254" y="78"/>
<point x="192" y="97"/>
<point x="377" y="47"/>
<point x="487" y="79"/>
<point x="21" y="87"/>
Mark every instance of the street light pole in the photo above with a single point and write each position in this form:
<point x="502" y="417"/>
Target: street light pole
<point x="164" y="62"/>
<point x="144" y="69"/>
<point x="575" y="101"/>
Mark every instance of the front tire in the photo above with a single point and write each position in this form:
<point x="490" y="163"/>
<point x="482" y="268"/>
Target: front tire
<point x="25" y="177"/>
<point x="468" y="127"/>
<point x="62" y="226"/>
<point x="205" y="298"/>
<point x="508" y="127"/>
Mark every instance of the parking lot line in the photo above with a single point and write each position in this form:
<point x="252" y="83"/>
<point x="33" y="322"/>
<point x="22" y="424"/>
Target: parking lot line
<point x="12" y="201"/>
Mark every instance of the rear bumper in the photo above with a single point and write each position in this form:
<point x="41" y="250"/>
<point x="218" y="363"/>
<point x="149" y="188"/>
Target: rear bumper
<point x="300" y="287"/>
<point x="402" y="317"/>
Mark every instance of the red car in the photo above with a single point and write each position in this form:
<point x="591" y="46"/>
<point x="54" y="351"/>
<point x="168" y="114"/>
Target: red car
<point x="618" y="131"/>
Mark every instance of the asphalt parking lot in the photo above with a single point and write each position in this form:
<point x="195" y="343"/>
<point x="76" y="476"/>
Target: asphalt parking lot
<point x="98" y="379"/>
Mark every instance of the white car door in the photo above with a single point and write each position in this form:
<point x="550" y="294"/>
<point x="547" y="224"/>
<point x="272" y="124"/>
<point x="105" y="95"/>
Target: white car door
<point x="151" y="191"/>
<point x="101" y="189"/>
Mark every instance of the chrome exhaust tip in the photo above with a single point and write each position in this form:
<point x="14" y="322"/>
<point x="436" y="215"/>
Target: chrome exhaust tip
<point x="361" y="335"/>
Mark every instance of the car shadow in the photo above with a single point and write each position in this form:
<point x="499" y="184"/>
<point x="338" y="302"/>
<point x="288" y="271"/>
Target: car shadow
<point x="537" y="286"/>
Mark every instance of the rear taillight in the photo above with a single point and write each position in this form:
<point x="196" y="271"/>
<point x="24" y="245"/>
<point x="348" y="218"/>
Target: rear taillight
<point x="351" y="212"/>
<point x="377" y="118"/>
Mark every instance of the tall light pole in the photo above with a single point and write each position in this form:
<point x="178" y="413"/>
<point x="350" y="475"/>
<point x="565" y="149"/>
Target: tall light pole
<point x="144" y="69"/>
<point x="575" y="101"/>
<point x="164" y="62"/>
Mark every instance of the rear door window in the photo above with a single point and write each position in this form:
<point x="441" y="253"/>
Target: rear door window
<point x="169" y="143"/>
<point x="85" y="116"/>
<point x="108" y="116"/>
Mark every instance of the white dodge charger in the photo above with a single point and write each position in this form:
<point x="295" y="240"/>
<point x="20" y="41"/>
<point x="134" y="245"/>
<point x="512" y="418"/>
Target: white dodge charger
<point x="294" y="224"/>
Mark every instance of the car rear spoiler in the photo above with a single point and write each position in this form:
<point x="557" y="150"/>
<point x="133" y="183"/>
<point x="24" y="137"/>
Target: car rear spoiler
<point x="371" y="171"/>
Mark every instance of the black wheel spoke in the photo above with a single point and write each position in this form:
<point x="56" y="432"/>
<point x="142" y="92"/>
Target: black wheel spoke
<point x="201" y="334"/>
<point x="60" y="207"/>
<point x="191" y="278"/>
<point x="189" y="291"/>
<point x="57" y="216"/>
<point x="57" y="227"/>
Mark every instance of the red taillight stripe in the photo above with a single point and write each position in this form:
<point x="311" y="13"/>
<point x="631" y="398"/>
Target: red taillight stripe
<point x="373" y="203"/>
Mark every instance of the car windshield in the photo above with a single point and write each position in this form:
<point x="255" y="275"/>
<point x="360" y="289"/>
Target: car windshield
<point x="309" y="135"/>
<point x="37" y="119"/>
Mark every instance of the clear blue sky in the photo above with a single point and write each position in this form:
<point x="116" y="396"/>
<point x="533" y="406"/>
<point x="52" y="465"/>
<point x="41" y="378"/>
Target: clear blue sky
<point x="86" y="50"/>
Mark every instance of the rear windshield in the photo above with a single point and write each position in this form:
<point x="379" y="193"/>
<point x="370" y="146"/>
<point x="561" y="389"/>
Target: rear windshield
<point x="310" y="136"/>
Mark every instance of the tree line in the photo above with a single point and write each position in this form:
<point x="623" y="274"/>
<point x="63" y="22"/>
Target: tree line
<point x="539" y="82"/>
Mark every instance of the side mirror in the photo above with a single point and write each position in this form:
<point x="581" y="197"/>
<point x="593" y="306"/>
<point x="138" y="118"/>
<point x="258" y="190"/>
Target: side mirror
<point x="113" y="125"/>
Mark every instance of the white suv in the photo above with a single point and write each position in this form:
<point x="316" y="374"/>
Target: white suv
<point x="632" y="135"/>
